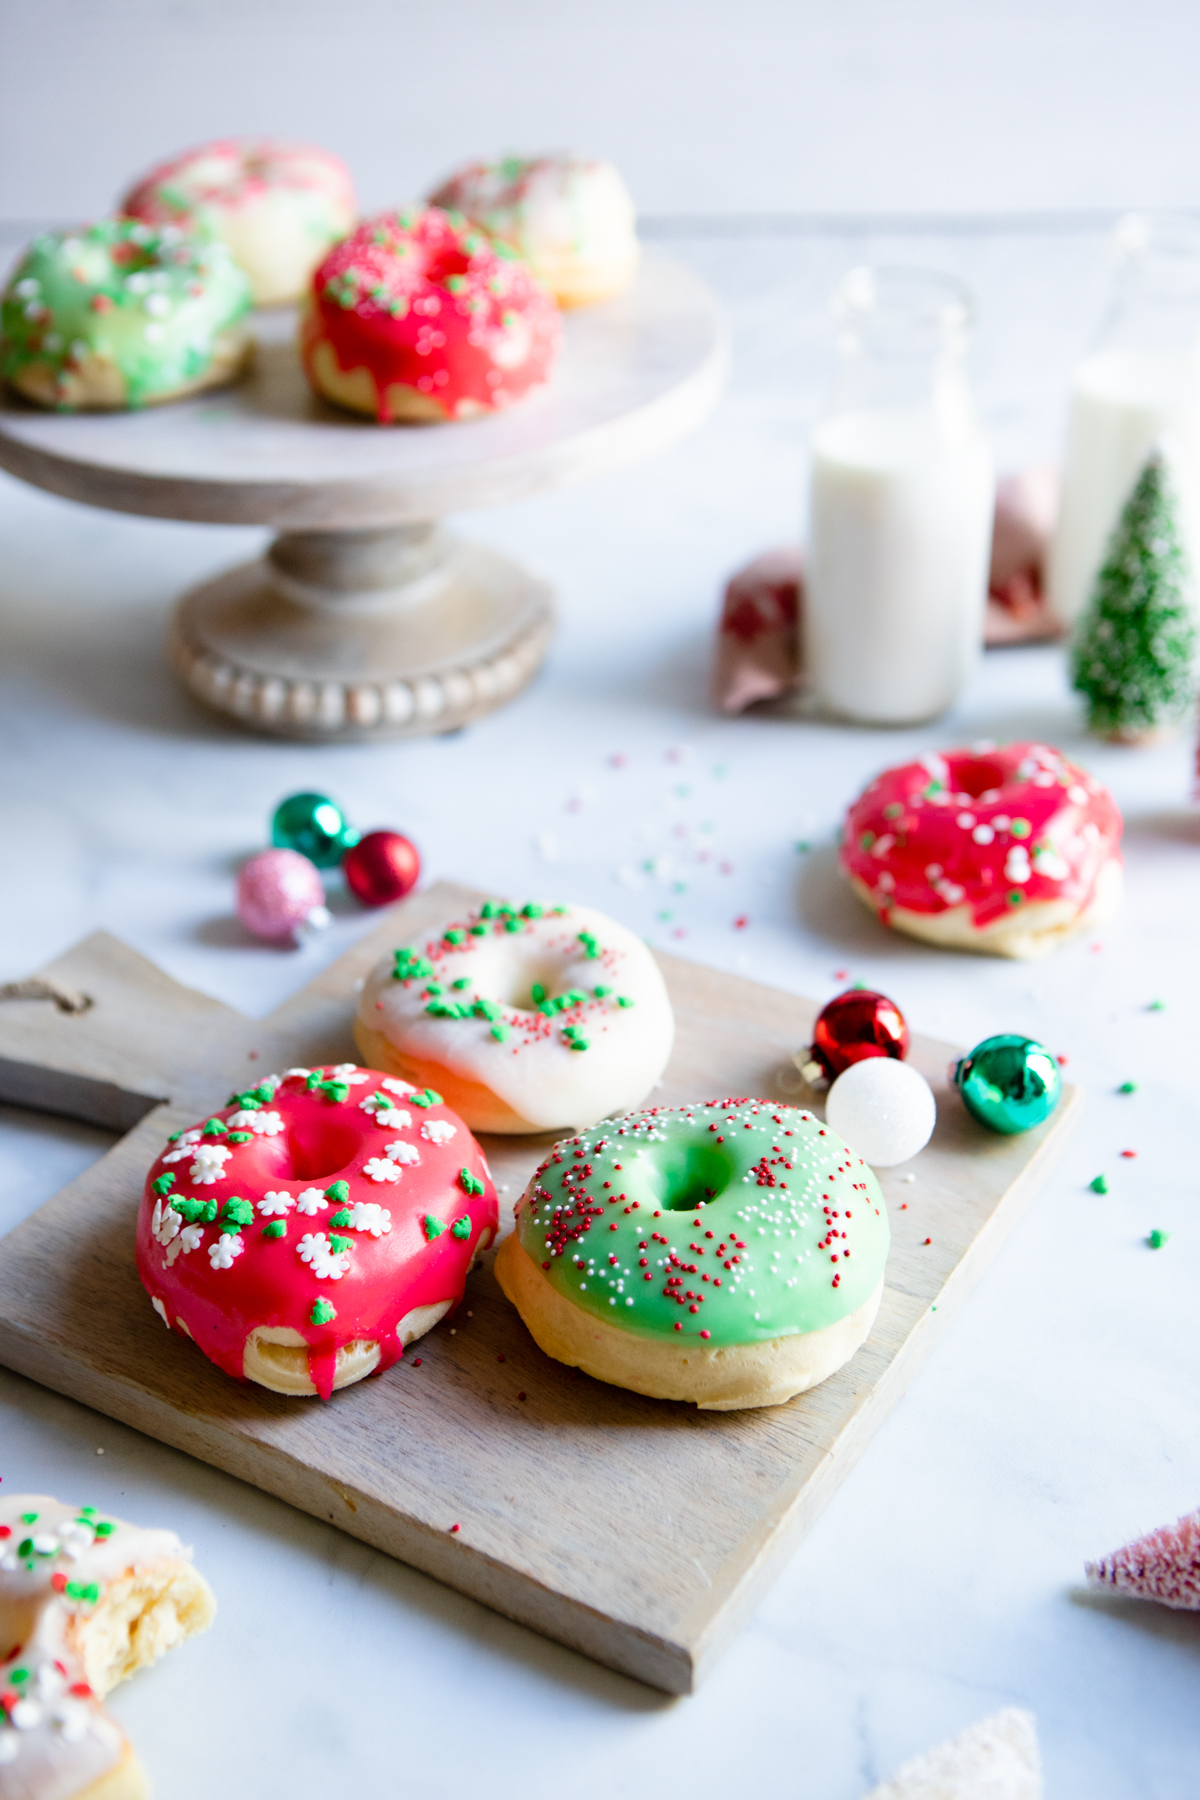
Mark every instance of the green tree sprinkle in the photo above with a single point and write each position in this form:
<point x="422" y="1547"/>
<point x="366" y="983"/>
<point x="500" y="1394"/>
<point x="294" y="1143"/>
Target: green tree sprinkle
<point x="1132" y="657"/>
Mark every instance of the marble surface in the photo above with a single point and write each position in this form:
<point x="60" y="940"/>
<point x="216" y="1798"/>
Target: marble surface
<point x="1061" y="1415"/>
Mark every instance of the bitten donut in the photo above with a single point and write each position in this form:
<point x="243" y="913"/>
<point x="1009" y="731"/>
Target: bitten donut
<point x="85" y="1601"/>
<point x="418" y="316"/>
<point x="119" y="314"/>
<point x="529" y="1018"/>
<point x="1009" y="849"/>
<point x="318" y="1223"/>
<point x="277" y="205"/>
<point x="730" y="1254"/>
<point x="570" y="217"/>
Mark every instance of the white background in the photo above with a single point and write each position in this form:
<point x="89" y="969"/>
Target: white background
<point x="1061" y="1416"/>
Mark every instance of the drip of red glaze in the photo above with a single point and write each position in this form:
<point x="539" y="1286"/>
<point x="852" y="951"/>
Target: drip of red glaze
<point x="322" y="1366"/>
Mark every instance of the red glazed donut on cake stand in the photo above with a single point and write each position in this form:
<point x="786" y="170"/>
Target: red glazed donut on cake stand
<point x="419" y="316"/>
<point x="1007" y="849"/>
<point x="314" y="1226"/>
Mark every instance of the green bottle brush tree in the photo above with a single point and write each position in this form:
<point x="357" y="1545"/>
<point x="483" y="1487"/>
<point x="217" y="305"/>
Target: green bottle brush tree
<point x="1133" y="653"/>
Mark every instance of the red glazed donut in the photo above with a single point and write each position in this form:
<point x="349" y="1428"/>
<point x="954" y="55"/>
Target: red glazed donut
<point x="418" y="315"/>
<point x="1007" y="849"/>
<point x="314" y="1226"/>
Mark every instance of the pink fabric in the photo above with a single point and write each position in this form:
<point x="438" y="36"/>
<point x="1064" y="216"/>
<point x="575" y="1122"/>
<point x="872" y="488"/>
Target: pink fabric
<point x="758" y="640"/>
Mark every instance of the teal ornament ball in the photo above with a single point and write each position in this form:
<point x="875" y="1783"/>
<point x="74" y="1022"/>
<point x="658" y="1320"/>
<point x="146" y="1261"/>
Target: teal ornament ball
<point x="1009" y="1083"/>
<point x="315" y="826"/>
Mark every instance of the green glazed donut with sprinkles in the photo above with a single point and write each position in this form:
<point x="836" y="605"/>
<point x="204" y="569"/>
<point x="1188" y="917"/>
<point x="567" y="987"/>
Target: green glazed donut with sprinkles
<point x="122" y="314"/>
<point x="729" y="1253"/>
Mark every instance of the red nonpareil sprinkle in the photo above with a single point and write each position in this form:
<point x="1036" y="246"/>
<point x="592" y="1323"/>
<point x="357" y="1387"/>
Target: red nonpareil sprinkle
<point x="929" y="1240"/>
<point x="1129" y="1153"/>
<point x="416" y="1362"/>
<point x="741" y="922"/>
<point x="81" y="1690"/>
<point x="1062" y="1061"/>
<point x="522" y="1395"/>
<point x="545" y="1265"/>
<point x="500" y="1356"/>
<point x="5" y="1531"/>
<point x="706" y="1334"/>
<point x="678" y="1326"/>
<point x="454" y="1528"/>
<point x="841" y="974"/>
<point x="58" y="1582"/>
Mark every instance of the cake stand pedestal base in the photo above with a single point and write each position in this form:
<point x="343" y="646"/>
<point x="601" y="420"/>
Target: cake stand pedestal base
<point x="357" y="636"/>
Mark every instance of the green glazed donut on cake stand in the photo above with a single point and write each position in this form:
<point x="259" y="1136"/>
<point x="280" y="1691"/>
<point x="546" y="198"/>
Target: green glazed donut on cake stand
<point x="366" y="618"/>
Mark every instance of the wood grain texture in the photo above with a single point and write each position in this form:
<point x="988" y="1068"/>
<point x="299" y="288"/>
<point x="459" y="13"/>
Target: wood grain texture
<point x="639" y="1532"/>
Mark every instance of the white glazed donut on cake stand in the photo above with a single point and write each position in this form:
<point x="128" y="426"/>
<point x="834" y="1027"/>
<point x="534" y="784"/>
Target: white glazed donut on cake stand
<point x="366" y="618"/>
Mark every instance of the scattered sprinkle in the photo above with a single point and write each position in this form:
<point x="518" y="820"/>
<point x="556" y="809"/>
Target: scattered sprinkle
<point x="1157" y="1239"/>
<point x="1099" y="1184"/>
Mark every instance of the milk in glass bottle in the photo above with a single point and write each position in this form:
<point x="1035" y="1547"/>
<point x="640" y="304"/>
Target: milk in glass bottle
<point x="1137" y="390"/>
<point x="901" y="505"/>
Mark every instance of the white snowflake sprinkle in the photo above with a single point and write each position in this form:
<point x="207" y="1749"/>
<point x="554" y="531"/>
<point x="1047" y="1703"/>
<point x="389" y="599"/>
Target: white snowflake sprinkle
<point x="438" y="1131"/>
<point x="209" y="1164"/>
<point x="276" y="1205"/>
<point x="296" y="1074"/>
<point x="166" y="1222"/>
<point x="1016" y="865"/>
<point x="400" y="1152"/>
<point x="366" y="1216"/>
<point x="190" y="1238"/>
<point x="394" y="1086"/>
<point x="226" y="1250"/>
<point x="263" y="1124"/>
<point x="312" y="1200"/>
<point x="382" y="1168"/>
<point x="326" y="1263"/>
<point x="350" y="1073"/>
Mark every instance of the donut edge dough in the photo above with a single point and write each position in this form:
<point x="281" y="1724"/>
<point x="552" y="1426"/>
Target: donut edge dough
<point x="276" y="1356"/>
<point x="1033" y="932"/>
<point x="96" y="384"/>
<point x="357" y="390"/>
<point x="126" y="1780"/>
<point x="715" y="1379"/>
<point x="478" y="1107"/>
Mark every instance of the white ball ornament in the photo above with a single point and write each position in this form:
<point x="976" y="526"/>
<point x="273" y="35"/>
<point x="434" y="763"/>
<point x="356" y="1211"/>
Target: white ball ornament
<point x="884" y="1110"/>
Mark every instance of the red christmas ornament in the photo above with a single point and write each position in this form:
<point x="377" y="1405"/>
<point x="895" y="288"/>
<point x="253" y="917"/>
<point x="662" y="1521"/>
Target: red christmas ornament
<point x="855" y="1025"/>
<point x="381" y="867"/>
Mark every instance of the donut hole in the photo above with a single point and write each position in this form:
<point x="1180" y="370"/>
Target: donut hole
<point x="317" y="1148"/>
<point x="978" y="775"/>
<point x="699" y="1176"/>
<point x="513" y="982"/>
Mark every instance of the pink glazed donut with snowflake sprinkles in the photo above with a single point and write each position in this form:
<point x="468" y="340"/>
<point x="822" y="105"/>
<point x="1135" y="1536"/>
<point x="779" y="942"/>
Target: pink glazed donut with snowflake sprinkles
<point x="314" y="1226"/>
<point x="419" y="316"/>
<point x="1007" y="849"/>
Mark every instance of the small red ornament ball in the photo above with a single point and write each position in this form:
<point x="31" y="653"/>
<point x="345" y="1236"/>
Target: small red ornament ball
<point x="381" y="867"/>
<point x="855" y="1025"/>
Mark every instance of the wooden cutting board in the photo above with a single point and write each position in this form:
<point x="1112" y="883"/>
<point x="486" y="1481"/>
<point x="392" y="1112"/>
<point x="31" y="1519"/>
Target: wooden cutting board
<point x="639" y="1532"/>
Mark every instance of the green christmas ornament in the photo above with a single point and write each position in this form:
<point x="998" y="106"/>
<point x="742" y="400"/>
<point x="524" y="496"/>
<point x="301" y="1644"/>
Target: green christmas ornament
<point x="1009" y="1083"/>
<point x="1134" y="649"/>
<point x="315" y="826"/>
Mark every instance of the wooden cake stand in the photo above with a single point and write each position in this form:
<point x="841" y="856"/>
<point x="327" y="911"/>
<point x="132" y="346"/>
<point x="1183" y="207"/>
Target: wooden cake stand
<point x="366" y="618"/>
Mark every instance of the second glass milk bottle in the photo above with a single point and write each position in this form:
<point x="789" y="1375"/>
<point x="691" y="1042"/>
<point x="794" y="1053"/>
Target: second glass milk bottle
<point x="1136" y="391"/>
<point x="901" y="505"/>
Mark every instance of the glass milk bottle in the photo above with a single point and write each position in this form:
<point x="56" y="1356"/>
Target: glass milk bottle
<point x="902" y="495"/>
<point x="1137" y="389"/>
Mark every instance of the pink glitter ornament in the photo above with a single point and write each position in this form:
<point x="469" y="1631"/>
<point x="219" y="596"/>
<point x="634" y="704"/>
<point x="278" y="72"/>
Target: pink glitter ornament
<point x="280" y="896"/>
<point x="1164" y="1566"/>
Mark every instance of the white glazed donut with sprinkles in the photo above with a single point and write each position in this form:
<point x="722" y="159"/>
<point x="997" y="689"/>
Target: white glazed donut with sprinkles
<point x="530" y="1018"/>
